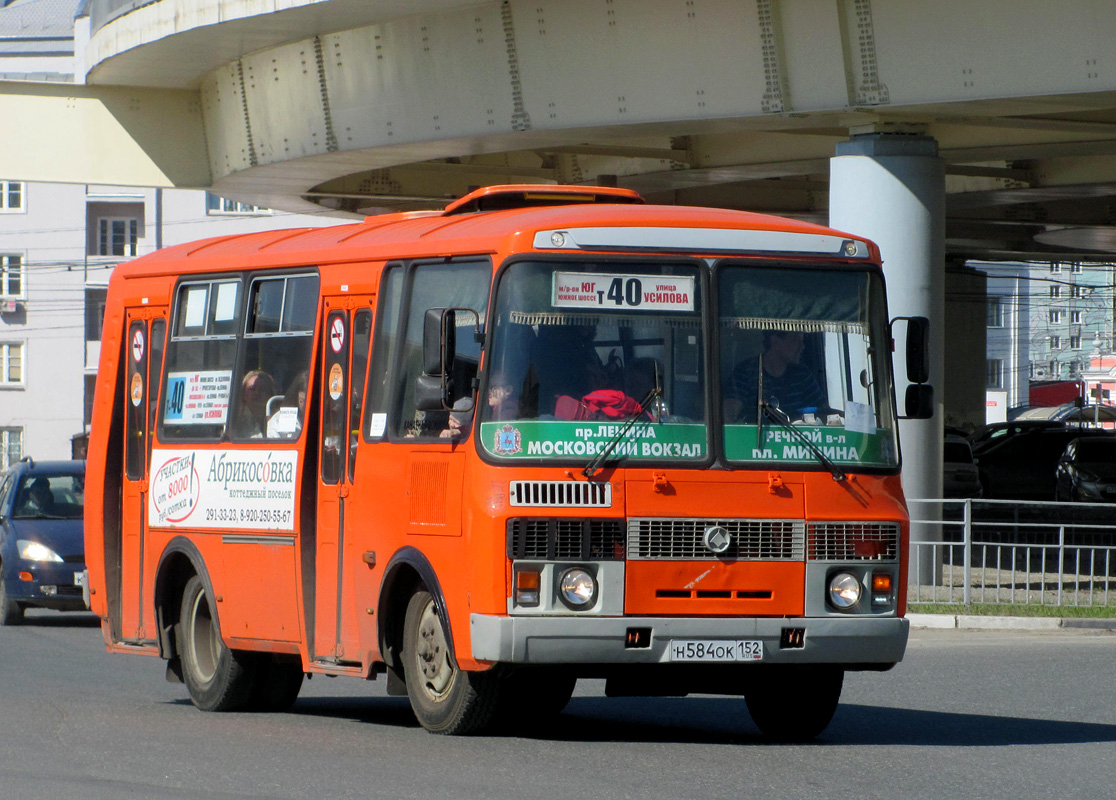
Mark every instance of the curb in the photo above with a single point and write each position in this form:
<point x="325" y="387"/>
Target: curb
<point x="974" y="622"/>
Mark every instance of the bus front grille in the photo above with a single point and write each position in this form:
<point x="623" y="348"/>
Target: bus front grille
<point x="853" y="541"/>
<point x="651" y="539"/>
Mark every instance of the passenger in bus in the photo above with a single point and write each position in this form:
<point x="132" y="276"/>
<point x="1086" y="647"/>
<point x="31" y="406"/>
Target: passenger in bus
<point x="285" y="422"/>
<point x="503" y="404"/>
<point x="787" y="383"/>
<point x="460" y="420"/>
<point x="251" y="416"/>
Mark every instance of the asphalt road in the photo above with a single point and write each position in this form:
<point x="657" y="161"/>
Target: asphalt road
<point x="968" y="714"/>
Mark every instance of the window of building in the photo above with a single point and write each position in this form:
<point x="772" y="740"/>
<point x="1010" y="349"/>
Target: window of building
<point x="11" y="446"/>
<point x="995" y="373"/>
<point x="1075" y="269"/>
<point x="1075" y="343"/>
<point x="11" y="276"/>
<point x="1075" y="317"/>
<point x="11" y="364"/>
<point x="995" y="312"/>
<point x="11" y="197"/>
<point x="1079" y="291"/>
<point x="1055" y="316"/>
<point x="1055" y="291"/>
<point x="1055" y="268"/>
<point x="215" y="204"/>
<point x="1055" y="342"/>
<point x="95" y="300"/>
<point x="117" y="236"/>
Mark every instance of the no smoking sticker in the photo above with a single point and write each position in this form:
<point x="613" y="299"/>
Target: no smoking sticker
<point x="137" y="345"/>
<point x="337" y="334"/>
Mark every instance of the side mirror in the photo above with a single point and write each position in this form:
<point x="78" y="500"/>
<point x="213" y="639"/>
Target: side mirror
<point x="918" y="349"/>
<point x="429" y="394"/>
<point x="439" y="341"/>
<point x="919" y="401"/>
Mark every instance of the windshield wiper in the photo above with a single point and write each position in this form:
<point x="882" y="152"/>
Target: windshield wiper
<point x="775" y="414"/>
<point x="592" y="467"/>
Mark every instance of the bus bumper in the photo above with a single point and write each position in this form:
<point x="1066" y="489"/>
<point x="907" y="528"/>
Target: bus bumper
<point x="864" y="642"/>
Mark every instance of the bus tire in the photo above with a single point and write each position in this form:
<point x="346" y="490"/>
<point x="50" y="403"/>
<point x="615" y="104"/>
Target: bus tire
<point x="445" y="699"/>
<point x="278" y="681"/>
<point x="797" y="705"/>
<point x="217" y="678"/>
<point x="11" y="612"/>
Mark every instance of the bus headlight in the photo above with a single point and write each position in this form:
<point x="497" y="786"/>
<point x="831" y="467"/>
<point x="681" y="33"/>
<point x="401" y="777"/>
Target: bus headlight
<point x="577" y="588"/>
<point x="844" y="590"/>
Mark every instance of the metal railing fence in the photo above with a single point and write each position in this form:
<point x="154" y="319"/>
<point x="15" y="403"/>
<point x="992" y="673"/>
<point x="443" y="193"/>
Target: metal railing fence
<point x="1022" y="553"/>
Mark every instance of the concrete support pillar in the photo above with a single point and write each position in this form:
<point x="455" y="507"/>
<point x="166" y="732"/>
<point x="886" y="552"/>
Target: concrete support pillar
<point x="890" y="187"/>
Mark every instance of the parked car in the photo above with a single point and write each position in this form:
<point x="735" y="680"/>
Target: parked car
<point x="1087" y="471"/>
<point x="42" y="546"/>
<point x="1022" y="466"/>
<point x="960" y="477"/>
<point x="995" y="432"/>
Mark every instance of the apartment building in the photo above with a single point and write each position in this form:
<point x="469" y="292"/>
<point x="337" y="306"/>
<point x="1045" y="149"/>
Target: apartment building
<point x="58" y="247"/>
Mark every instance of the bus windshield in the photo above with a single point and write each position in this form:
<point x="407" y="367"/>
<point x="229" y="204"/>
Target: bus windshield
<point x="580" y="349"/>
<point x="812" y="346"/>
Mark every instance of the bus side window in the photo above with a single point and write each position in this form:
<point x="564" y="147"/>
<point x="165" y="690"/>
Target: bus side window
<point x="384" y="354"/>
<point x="270" y="383"/>
<point x="460" y="285"/>
<point x="199" y="361"/>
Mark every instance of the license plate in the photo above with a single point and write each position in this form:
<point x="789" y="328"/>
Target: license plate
<point x="80" y="578"/>
<point x="716" y="650"/>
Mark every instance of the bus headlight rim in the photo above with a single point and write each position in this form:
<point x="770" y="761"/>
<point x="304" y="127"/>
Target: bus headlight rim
<point x="844" y="590"/>
<point x="577" y="588"/>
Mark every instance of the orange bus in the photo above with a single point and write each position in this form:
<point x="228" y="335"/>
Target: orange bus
<point x="546" y="433"/>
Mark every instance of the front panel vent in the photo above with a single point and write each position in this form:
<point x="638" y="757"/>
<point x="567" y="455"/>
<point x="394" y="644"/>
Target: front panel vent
<point x="547" y="539"/>
<point x="560" y="494"/>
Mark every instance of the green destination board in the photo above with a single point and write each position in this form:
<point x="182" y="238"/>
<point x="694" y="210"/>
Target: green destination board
<point x="780" y="445"/>
<point x="561" y="439"/>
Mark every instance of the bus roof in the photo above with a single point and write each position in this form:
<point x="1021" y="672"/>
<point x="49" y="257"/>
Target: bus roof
<point x="464" y="227"/>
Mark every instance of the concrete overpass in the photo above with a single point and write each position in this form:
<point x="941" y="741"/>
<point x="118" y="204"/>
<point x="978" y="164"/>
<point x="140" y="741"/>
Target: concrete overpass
<point x="973" y="128"/>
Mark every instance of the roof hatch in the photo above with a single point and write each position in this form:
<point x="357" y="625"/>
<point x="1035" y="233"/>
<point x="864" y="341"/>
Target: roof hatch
<point x="501" y="198"/>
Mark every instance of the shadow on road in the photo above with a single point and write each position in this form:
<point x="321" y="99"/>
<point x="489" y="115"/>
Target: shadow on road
<point x="726" y="721"/>
<point x="55" y="619"/>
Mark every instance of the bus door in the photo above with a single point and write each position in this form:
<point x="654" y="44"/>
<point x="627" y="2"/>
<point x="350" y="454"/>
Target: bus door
<point x="345" y="346"/>
<point x="147" y="329"/>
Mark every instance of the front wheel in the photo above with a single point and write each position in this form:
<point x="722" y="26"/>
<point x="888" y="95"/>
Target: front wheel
<point x="218" y="679"/>
<point x="11" y="612"/>
<point x="444" y="698"/>
<point x="795" y="705"/>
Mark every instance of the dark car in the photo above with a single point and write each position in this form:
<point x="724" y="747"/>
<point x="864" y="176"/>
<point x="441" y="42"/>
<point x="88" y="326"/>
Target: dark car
<point x="996" y="432"/>
<point x="42" y="546"/>
<point x="1087" y="471"/>
<point x="960" y="477"/>
<point x="1022" y="466"/>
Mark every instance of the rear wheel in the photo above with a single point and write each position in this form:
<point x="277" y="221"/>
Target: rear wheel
<point x="444" y="698"/>
<point x="11" y="612"/>
<point x="218" y="679"/>
<point x="796" y="705"/>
